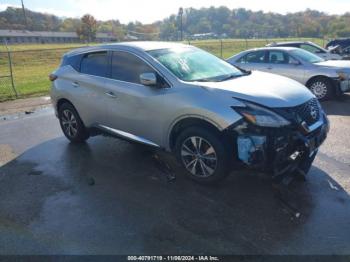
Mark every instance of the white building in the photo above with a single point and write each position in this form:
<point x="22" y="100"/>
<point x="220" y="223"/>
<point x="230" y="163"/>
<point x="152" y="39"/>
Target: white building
<point x="24" y="36"/>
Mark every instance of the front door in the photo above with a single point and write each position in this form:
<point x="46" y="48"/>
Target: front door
<point x="281" y="63"/>
<point x="132" y="107"/>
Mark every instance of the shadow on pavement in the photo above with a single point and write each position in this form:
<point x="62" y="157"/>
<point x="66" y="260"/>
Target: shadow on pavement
<point x="109" y="197"/>
<point x="339" y="106"/>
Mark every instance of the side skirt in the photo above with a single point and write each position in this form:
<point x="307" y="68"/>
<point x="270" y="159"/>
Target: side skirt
<point x="105" y="130"/>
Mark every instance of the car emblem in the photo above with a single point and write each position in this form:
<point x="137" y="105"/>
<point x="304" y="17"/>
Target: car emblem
<point x="313" y="112"/>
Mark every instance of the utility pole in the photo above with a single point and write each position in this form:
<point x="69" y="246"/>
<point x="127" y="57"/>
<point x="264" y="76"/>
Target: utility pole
<point x="181" y="11"/>
<point x="24" y="15"/>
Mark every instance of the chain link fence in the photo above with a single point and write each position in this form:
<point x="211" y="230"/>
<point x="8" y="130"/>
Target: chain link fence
<point x="226" y="48"/>
<point x="25" y="73"/>
<point x="7" y="89"/>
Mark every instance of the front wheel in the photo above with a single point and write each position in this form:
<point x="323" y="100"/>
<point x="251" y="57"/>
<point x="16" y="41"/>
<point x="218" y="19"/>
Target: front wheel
<point x="203" y="155"/>
<point x="322" y="88"/>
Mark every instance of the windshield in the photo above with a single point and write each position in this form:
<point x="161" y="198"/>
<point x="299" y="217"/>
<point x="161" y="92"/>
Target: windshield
<point x="193" y="64"/>
<point x="306" y="56"/>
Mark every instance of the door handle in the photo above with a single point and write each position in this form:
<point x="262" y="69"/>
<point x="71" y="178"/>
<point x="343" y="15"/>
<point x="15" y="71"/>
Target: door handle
<point x="111" y="94"/>
<point x="269" y="68"/>
<point x="75" y="84"/>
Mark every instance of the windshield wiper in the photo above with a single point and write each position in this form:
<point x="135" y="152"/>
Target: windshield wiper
<point x="234" y="76"/>
<point x="201" y="80"/>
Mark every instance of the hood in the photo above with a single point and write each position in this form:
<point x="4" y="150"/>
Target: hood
<point x="335" y="63"/>
<point x="263" y="88"/>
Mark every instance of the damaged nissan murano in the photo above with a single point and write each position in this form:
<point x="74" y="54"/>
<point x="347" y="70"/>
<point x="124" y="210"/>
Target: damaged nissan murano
<point x="214" y="117"/>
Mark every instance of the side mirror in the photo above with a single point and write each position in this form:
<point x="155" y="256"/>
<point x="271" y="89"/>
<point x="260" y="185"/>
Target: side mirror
<point x="148" y="79"/>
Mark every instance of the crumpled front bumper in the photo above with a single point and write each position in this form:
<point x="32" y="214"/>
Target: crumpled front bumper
<point x="279" y="151"/>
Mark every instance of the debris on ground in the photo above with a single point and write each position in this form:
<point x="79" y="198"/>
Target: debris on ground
<point x="332" y="186"/>
<point x="164" y="167"/>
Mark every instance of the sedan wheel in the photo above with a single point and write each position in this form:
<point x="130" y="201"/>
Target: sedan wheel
<point x="322" y="88"/>
<point x="319" y="89"/>
<point x="199" y="156"/>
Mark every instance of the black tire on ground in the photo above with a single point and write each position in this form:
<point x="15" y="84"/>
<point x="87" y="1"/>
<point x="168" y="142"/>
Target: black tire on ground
<point x="71" y="124"/>
<point x="322" y="88"/>
<point x="201" y="146"/>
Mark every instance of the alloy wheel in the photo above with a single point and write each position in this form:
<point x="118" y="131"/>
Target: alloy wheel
<point x="199" y="156"/>
<point x="69" y="123"/>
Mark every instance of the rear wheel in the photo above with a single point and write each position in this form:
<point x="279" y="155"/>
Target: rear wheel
<point x="322" y="88"/>
<point x="202" y="154"/>
<point x="71" y="124"/>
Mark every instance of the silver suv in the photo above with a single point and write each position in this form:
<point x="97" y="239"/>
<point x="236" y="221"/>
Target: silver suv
<point x="211" y="115"/>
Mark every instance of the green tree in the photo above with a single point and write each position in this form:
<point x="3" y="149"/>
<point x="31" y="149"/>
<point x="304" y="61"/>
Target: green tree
<point x="70" y="25"/>
<point x="88" y="28"/>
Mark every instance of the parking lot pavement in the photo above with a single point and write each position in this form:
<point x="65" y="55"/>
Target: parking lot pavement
<point x="110" y="197"/>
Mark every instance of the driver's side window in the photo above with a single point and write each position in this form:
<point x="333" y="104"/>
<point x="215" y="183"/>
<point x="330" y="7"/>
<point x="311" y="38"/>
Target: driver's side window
<point x="253" y="57"/>
<point x="280" y="57"/>
<point x="128" y="67"/>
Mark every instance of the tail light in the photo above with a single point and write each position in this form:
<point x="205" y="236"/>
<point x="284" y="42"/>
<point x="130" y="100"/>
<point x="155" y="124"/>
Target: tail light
<point x="52" y="77"/>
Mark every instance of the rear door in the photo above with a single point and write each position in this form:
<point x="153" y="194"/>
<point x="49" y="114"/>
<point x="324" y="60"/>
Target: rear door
<point x="88" y="87"/>
<point x="281" y="63"/>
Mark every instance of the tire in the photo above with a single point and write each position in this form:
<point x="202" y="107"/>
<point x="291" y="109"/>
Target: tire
<point x="203" y="155"/>
<point x="322" y="88"/>
<point x="71" y="124"/>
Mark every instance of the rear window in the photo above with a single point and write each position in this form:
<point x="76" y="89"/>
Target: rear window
<point x="95" y="64"/>
<point x="73" y="61"/>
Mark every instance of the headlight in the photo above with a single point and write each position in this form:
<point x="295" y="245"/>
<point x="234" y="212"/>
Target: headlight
<point x="261" y="116"/>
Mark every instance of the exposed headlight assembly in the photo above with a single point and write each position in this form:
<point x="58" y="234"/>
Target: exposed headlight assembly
<point x="261" y="116"/>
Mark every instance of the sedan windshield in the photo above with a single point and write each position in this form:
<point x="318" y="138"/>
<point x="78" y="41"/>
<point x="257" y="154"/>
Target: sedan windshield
<point x="306" y="56"/>
<point x="193" y="64"/>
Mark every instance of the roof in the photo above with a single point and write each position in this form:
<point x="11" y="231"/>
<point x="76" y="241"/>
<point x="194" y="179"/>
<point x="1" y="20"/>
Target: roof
<point x="289" y="43"/>
<point x="237" y="56"/>
<point x="285" y="48"/>
<point x="138" y="45"/>
<point x="149" y="45"/>
<point x="26" y="33"/>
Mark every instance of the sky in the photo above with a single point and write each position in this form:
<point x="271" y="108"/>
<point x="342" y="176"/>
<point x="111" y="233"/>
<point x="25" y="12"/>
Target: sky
<point x="149" y="11"/>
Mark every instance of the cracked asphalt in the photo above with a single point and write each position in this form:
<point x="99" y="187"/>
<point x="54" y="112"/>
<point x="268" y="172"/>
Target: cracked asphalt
<point x="110" y="197"/>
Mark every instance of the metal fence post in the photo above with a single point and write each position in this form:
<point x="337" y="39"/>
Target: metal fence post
<point x="10" y="67"/>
